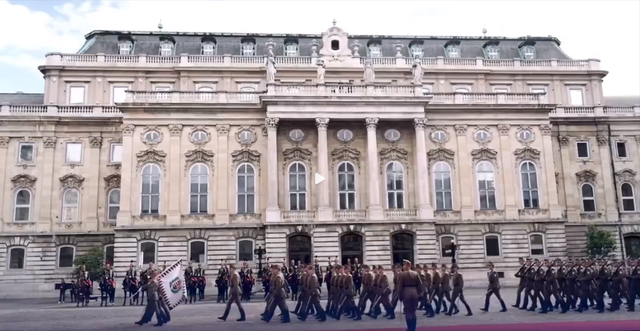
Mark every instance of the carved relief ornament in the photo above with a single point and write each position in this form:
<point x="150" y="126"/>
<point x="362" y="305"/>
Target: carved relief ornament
<point x="112" y="181"/>
<point x="146" y="138"/>
<point x="297" y="154"/>
<point x="71" y="181"/>
<point x="345" y="153"/>
<point x="626" y="175"/>
<point x="95" y="142"/>
<point x="526" y="153"/>
<point x="127" y="129"/>
<point x="206" y="138"/>
<point x="4" y="141"/>
<point x="223" y="129"/>
<point x="24" y="181"/>
<point x="461" y="129"/>
<point x="441" y="154"/>
<point x="602" y="140"/>
<point x="546" y="129"/>
<point x="175" y="129"/>
<point x="393" y="153"/>
<point x="503" y="129"/>
<point x="484" y="154"/>
<point x="322" y="123"/>
<point x="245" y="155"/>
<point x="246" y="136"/>
<point x="563" y="140"/>
<point x="151" y="156"/>
<point x="50" y="142"/>
<point x="586" y="175"/>
<point x="271" y="123"/>
<point x="198" y="155"/>
<point x="439" y="135"/>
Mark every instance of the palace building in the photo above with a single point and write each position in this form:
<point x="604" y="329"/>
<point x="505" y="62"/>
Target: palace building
<point x="159" y="146"/>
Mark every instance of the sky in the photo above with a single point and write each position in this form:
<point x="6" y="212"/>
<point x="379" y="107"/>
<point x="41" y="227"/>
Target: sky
<point x="605" y="30"/>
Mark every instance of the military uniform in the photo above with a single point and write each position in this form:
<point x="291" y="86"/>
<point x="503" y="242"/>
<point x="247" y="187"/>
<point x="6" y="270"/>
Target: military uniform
<point x="458" y="292"/>
<point x="522" y="283"/>
<point x="494" y="289"/>
<point x="312" y="290"/>
<point x="234" y="297"/>
<point x="277" y="299"/>
<point x="409" y="289"/>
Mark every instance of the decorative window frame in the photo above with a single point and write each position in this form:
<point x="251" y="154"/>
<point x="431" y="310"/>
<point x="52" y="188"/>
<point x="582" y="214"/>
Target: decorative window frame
<point x="256" y="189"/>
<point x="493" y="163"/>
<point x="206" y="249"/>
<point x="139" y="252"/>
<point x="208" y="193"/>
<point x="151" y="156"/>
<point x="31" y="205"/>
<point x="239" y="157"/>
<point x="441" y="154"/>
<point x="246" y="144"/>
<point x="148" y="129"/>
<point x="523" y="141"/>
<point x="544" y="243"/>
<point x="484" y="243"/>
<point x="582" y="88"/>
<point x="82" y="150"/>
<point x="453" y="237"/>
<point x="23" y="182"/>
<point x="586" y="141"/>
<point x="108" y="204"/>
<point x="634" y="197"/>
<point x="160" y="187"/>
<point x="307" y="178"/>
<point x="355" y="183"/>
<point x="482" y="142"/>
<point x="626" y="147"/>
<point x="196" y="156"/>
<point x="394" y="153"/>
<point x="433" y="183"/>
<point x="203" y="129"/>
<point x="253" y="246"/>
<point x="402" y="230"/>
<point x="405" y="176"/>
<point x="25" y="164"/>
<point x="536" y="165"/>
<point x="58" y="251"/>
<point x="352" y="230"/>
<point x="345" y="154"/>
<point x="595" y="197"/>
<point x="442" y="142"/>
<point x="71" y="85"/>
<point x="8" y="258"/>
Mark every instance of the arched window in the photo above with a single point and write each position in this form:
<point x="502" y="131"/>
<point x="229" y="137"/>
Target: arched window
<point x="536" y="244"/>
<point x="199" y="189"/>
<point x="445" y="245"/>
<point x="150" y="193"/>
<point x="395" y="185"/>
<point x="402" y="247"/>
<point x="299" y="248"/>
<point x="297" y="186"/>
<point x="22" y="206"/>
<point x="246" y="188"/>
<point x="351" y="247"/>
<point x="628" y="197"/>
<point x="66" y="255"/>
<point x="198" y="251"/>
<point x="529" y="179"/>
<point x="113" y="204"/>
<point x="442" y="183"/>
<point x="588" y="196"/>
<point x="492" y="245"/>
<point x="70" y="205"/>
<point x="347" y="186"/>
<point x="108" y="254"/>
<point x="17" y="257"/>
<point x="486" y="185"/>
<point x="245" y="250"/>
<point x="149" y="252"/>
<point x="632" y="246"/>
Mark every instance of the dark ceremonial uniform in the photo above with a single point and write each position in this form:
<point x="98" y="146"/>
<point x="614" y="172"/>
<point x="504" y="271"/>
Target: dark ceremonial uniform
<point x="493" y="289"/>
<point x="530" y="275"/>
<point x="522" y="284"/>
<point x="383" y="296"/>
<point x="615" y="288"/>
<point x="634" y="287"/>
<point x="409" y="289"/>
<point x="435" y="292"/>
<point x="585" y="280"/>
<point x="551" y="289"/>
<point x="428" y="288"/>
<point x="458" y="293"/>
<point x="234" y="297"/>
<point x="278" y="299"/>
<point x="538" y="288"/>
<point x="571" y="288"/>
<point x="152" y="304"/>
<point x="367" y="290"/>
<point x="445" y="290"/>
<point x="602" y="281"/>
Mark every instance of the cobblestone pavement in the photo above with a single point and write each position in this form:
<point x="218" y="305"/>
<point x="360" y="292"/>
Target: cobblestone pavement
<point x="22" y="315"/>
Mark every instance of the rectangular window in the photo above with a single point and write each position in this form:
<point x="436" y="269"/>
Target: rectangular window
<point x="500" y="89"/>
<point x="453" y="52"/>
<point x="621" y="149"/>
<point x="118" y="94"/>
<point x="166" y="49"/>
<point x="26" y="153"/>
<point x="540" y="90"/>
<point x="76" y="95"/>
<point x="492" y="245"/>
<point x="582" y="147"/>
<point x="74" y="153"/>
<point x="576" y="97"/>
<point x="116" y="153"/>
<point x="208" y="49"/>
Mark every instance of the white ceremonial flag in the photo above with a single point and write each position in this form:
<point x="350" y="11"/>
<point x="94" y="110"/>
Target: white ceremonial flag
<point x="173" y="289"/>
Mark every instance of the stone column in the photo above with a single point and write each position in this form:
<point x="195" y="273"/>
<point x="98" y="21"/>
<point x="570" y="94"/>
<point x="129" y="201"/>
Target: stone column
<point x="611" y="212"/>
<point x="465" y="174"/>
<point x="45" y="221"/>
<point x="425" y="210"/>
<point x="571" y="189"/>
<point x="222" y="173"/>
<point x="375" y="208"/>
<point x="511" y="191"/>
<point x="128" y="174"/>
<point x="324" y="208"/>
<point x="173" y="180"/>
<point x="273" y="210"/>
<point x="91" y="192"/>
<point x="555" y="212"/>
<point x="4" y="144"/>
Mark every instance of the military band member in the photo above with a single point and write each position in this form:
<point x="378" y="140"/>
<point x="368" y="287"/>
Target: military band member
<point x="277" y="297"/>
<point x="409" y="289"/>
<point x="494" y="289"/>
<point x="458" y="292"/>
<point x="522" y="283"/>
<point x="234" y="295"/>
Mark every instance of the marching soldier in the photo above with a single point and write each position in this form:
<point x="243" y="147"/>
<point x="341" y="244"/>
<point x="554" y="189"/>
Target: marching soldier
<point x="152" y="301"/>
<point x="458" y="292"/>
<point x="445" y="288"/>
<point x="409" y="289"/>
<point x="234" y="295"/>
<point x="585" y="280"/>
<point x="313" y="293"/>
<point x="383" y="296"/>
<point x="347" y="303"/>
<point x="435" y="290"/>
<point x="494" y="289"/>
<point x="425" y="276"/>
<point x="367" y="289"/>
<point x="538" y="287"/>
<point x="615" y="288"/>
<point x="602" y="285"/>
<point x="530" y="275"/>
<point x="551" y="289"/>
<point x="571" y="288"/>
<point x="523" y="281"/>
<point x="277" y="297"/>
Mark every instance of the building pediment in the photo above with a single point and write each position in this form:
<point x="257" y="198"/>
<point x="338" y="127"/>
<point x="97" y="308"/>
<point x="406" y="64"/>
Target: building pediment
<point x="626" y="175"/>
<point x="484" y="154"/>
<point x="198" y="155"/>
<point x="586" y="175"/>
<point x="71" y="181"/>
<point x="526" y="153"/>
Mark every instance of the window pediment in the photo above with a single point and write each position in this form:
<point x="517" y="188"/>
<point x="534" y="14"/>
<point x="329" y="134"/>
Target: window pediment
<point x="297" y="154"/>
<point x="245" y="155"/>
<point x="586" y="175"/>
<point x="346" y="154"/>
<point x="152" y="156"/>
<point x="112" y="181"/>
<point x="71" y="181"/>
<point x="24" y="181"/>
<point x="393" y="153"/>
<point x="484" y="154"/>
<point x="626" y="175"/>
<point x="198" y="156"/>
<point x="526" y="153"/>
<point x="441" y="154"/>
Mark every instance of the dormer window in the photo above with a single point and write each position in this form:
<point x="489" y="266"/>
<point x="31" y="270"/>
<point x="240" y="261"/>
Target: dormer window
<point x="208" y="48"/>
<point x="453" y="51"/>
<point x="248" y="48"/>
<point x="125" y="46"/>
<point x="291" y="49"/>
<point x="166" y="48"/>
<point x="375" y="50"/>
<point x="492" y="52"/>
<point x="416" y="50"/>
<point x="529" y="53"/>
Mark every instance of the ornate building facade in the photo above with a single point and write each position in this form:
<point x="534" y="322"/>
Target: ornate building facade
<point x="160" y="146"/>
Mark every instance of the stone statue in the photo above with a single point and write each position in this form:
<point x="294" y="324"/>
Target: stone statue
<point x="417" y="71"/>
<point x="320" y="72"/>
<point x="271" y="69"/>
<point x="369" y="74"/>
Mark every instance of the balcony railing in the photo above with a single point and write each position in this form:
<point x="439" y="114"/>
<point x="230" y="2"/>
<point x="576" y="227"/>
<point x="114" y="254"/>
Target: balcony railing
<point x="191" y="97"/>
<point x="595" y="112"/>
<point x="186" y="60"/>
<point x="70" y="111"/>
<point x="299" y="215"/>
<point x="350" y="214"/>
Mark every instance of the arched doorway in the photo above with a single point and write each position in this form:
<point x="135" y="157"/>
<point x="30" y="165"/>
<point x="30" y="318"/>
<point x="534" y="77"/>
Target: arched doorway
<point x="402" y="247"/>
<point x="632" y="245"/>
<point x="299" y="248"/>
<point x="351" y="247"/>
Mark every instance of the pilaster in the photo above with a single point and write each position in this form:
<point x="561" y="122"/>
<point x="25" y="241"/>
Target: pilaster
<point x="4" y="145"/>
<point x="128" y="174"/>
<point x="425" y="210"/>
<point x="610" y="193"/>
<point x="375" y="208"/>
<point x="90" y="194"/>
<point x="273" y="210"/>
<point x="465" y="170"/>
<point x="45" y="222"/>
<point x="511" y="191"/>
<point x="174" y="182"/>
<point x="324" y="209"/>
<point x="222" y="171"/>
<point x="570" y="184"/>
<point x="555" y="211"/>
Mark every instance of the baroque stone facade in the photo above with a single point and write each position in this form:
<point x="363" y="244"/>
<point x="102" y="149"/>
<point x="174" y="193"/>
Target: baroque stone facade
<point x="165" y="157"/>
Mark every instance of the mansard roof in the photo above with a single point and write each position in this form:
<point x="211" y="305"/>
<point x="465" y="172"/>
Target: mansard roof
<point x="20" y="98"/>
<point x="148" y="42"/>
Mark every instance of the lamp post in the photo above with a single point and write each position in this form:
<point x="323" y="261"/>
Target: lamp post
<point x="453" y="248"/>
<point x="260" y="252"/>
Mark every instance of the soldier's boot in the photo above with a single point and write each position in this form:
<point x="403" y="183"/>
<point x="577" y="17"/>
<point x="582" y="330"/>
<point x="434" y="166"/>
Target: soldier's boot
<point x="285" y="317"/>
<point x="357" y="315"/>
<point x="504" y="306"/>
<point x="243" y="317"/>
<point x="391" y="315"/>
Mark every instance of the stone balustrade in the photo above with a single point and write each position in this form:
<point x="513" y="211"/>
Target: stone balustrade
<point x="187" y="60"/>
<point x="598" y="111"/>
